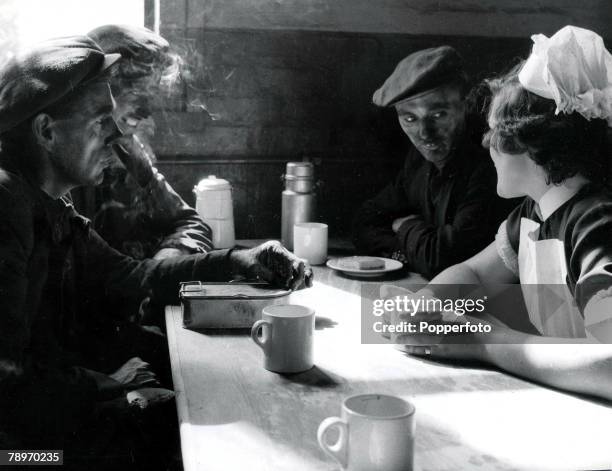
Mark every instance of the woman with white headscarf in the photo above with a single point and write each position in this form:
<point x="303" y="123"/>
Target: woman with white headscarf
<point x="548" y="121"/>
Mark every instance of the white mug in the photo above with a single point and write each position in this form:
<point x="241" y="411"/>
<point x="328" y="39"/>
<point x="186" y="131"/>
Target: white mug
<point x="310" y="242"/>
<point x="287" y="337"/>
<point x="376" y="433"/>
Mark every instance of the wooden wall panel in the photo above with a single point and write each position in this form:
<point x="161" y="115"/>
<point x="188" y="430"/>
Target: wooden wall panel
<point x="505" y="18"/>
<point x="257" y="190"/>
<point x="268" y="81"/>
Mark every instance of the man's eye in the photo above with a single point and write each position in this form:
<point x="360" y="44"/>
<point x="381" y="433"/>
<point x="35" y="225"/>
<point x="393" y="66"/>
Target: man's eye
<point x="408" y="119"/>
<point x="439" y="114"/>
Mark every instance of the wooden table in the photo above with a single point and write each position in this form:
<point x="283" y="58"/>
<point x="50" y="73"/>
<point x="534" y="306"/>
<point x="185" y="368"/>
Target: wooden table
<point x="235" y="415"/>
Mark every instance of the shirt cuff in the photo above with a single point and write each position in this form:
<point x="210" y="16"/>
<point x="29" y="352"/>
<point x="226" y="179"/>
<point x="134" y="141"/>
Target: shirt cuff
<point x="505" y="250"/>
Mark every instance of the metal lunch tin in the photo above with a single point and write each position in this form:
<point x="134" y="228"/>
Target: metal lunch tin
<point x="226" y="305"/>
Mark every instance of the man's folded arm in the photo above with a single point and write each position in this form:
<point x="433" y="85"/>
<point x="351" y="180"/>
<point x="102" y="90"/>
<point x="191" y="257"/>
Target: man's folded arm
<point x="430" y="249"/>
<point x="372" y="231"/>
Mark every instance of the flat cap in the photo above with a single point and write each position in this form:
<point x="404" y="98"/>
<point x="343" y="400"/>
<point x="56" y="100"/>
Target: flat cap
<point x="138" y="44"/>
<point x="420" y="72"/>
<point x="35" y="79"/>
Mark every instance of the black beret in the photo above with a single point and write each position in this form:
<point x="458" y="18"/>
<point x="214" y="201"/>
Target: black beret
<point x="420" y="72"/>
<point x="139" y="44"/>
<point x="35" y="79"/>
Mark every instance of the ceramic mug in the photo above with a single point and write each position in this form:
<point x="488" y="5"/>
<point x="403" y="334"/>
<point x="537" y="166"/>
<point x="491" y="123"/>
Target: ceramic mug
<point x="286" y="337"/>
<point x="310" y="242"/>
<point x="375" y="432"/>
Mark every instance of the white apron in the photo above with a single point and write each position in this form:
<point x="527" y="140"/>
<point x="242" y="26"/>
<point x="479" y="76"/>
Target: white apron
<point x="542" y="263"/>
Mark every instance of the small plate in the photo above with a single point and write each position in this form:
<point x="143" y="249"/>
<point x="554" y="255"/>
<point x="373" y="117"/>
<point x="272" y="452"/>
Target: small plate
<point x="390" y="265"/>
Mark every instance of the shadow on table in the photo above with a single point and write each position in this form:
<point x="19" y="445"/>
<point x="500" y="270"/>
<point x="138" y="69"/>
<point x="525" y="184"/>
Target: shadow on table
<point x="316" y="377"/>
<point x="397" y="275"/>
<point x="322" y="322"/>
<point x="353" y="284"/>
<point x="233" y="332"/>
<point x="449" y="362"/>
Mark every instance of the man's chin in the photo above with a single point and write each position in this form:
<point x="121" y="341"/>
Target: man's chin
<point x="436" y="156"/>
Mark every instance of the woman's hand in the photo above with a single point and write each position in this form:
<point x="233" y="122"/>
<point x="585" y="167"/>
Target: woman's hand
<point x="456" y="346"/>
<point x="395" y="317"/>
<point x="459" y="345"/>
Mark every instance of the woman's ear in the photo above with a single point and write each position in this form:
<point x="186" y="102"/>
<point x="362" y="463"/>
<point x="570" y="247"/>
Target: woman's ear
<point x="42" y="129"/>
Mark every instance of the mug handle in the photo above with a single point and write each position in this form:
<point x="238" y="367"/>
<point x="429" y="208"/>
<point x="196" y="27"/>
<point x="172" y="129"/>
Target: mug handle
<point x="264" y="325"/>
<point x="338" y="450"/>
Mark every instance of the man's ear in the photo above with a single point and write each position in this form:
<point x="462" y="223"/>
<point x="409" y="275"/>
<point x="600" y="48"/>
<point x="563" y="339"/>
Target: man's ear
<point x="43" y="130"/>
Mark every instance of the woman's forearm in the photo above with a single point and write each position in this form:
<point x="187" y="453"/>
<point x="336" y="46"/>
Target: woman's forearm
<point x="583" y="368"/>
<point x="485" y="269"/>
<point x="461" y="273"/>
<point x="446" y="284"/>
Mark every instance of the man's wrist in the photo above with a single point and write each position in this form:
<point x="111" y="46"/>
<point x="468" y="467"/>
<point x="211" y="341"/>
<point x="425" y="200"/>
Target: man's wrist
<point x="236" y="262"/>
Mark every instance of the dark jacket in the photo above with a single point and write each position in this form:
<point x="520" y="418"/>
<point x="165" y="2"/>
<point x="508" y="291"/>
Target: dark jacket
<point x="155" y="218"/>
<point x="54" y="271"/>
<point x="457" y="209"/>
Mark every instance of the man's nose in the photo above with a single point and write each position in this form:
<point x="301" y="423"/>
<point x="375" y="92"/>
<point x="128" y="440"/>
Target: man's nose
<point x="115" y="132"/>
<point x="426" y="129"/>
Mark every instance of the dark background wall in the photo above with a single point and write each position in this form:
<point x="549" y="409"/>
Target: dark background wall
<point x="269" y="81"/>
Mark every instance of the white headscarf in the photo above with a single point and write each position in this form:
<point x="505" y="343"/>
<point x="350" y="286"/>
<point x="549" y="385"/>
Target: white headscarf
<point x="574" y="69"/>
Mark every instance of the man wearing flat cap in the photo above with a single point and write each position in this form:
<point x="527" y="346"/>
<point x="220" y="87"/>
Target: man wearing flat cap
<point x="56" y="133"/>
<point x="141" y="215"/>
<point x="442" y="207"/>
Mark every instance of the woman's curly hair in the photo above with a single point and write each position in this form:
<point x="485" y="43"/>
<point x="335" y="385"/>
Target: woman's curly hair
<point x="564" y="145"/>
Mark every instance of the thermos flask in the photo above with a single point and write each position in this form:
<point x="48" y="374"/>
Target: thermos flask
<point x="299" y="199"/>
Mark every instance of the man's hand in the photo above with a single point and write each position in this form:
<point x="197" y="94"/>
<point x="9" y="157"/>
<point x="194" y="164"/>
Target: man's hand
<point x="273" y="263"/>
<point x="133" y="155"/>
<point x="395" y="226"/>
<point x="135" y="374"/>
<point x="148" y="397"/>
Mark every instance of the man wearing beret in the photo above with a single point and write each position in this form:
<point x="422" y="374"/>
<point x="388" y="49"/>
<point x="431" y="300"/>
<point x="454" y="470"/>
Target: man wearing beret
<point x="442" y="207"/>
<point x="56" y="132"/>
